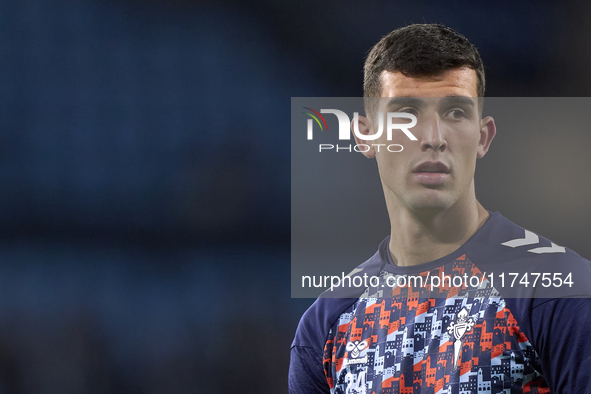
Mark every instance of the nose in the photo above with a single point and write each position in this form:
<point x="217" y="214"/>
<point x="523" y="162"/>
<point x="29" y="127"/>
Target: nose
<point x="432" y="136"/>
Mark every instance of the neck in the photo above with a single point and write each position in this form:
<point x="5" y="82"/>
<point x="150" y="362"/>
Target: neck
<point x="420" y="237"/>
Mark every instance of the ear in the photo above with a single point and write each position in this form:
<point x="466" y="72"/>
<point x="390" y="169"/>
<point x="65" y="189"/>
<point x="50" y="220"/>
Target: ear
<point x="364" y="127"/>
<point x="488" y="130"/>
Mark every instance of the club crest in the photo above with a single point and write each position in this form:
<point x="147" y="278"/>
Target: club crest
<point x="458" y="330"/>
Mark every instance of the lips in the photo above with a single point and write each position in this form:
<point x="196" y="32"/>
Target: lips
<point x="431" y="167"/>
<point x="431" y="173"/>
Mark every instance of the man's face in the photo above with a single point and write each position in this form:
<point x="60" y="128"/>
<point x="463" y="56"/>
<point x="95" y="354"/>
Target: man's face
<point x="437" y="171"/>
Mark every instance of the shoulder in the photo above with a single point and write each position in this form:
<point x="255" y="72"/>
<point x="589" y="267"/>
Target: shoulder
<point x="500" y="238"/>
<point x="501" y="246"/>
<point x="316" y="322"/>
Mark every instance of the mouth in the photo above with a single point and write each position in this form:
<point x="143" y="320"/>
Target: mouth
<point x="430" y="167"/>
<point x="431" y="173"/>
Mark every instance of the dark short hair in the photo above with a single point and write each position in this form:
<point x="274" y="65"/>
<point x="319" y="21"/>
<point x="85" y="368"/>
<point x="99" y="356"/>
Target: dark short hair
<point x="420" y="50"/>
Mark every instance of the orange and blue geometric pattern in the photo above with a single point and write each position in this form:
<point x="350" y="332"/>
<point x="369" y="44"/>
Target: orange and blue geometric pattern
<point x="431" y="340"/>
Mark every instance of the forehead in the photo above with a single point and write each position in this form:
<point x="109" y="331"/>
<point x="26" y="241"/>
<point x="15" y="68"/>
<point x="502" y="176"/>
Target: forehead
<point x="453" y="82"/>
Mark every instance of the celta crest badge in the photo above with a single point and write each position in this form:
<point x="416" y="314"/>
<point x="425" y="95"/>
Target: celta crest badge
<point x="458" y="330"/>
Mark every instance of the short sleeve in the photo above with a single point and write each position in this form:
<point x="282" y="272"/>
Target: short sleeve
<point x="562" y="334"/>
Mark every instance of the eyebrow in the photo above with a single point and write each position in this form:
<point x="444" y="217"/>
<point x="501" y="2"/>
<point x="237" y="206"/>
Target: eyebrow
<point x="396" y="101"/>
<point x="417" y="102"/>
<point x="460" y="100"/>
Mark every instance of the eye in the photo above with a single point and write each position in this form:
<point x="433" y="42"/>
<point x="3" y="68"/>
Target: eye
<point x="456" y="114"/>
<point x="412" y="111"/>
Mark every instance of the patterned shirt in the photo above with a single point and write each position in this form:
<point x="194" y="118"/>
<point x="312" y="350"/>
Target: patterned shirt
<point x="470" y="322"/>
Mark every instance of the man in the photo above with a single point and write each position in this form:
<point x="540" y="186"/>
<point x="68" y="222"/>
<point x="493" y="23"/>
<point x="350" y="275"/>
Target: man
<point x="421" y="335"/>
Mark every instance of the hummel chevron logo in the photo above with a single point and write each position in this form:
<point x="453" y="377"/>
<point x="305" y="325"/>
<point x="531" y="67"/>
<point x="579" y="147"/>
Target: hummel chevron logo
<point x="531" y="239"/>
<point x="553" y="248"/>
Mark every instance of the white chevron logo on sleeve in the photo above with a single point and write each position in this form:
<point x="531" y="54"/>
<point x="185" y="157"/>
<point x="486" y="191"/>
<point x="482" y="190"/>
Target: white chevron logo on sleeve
<point x="549" y="249"/>
<point x="530" y="239"/>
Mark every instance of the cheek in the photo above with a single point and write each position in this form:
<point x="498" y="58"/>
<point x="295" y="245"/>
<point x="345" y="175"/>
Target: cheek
<point x="392" y="165"/>
<point x="466" y="161"/>
<point x="466" y="144"/>
<point x="395" y="152"/>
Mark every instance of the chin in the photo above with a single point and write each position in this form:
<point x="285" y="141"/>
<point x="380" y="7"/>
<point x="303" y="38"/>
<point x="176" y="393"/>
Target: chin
<point x="430" y="204"/>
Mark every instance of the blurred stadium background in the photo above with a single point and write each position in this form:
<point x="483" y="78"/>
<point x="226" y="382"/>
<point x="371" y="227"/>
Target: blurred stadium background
<point x="145" y="174"/>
